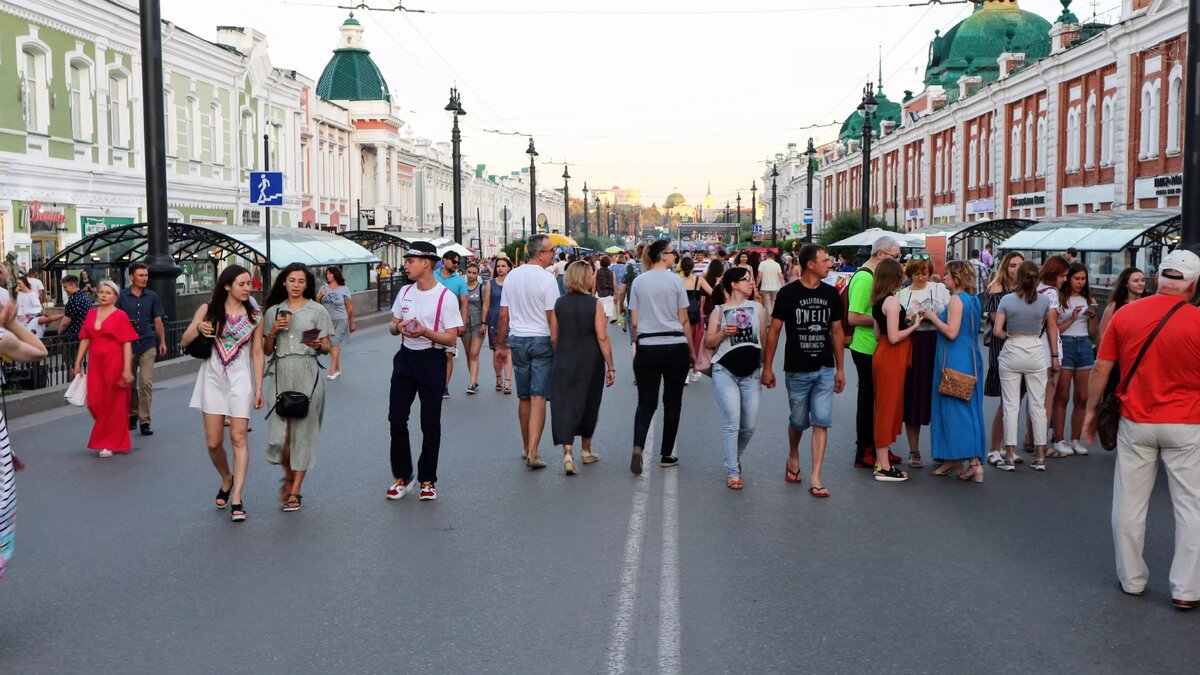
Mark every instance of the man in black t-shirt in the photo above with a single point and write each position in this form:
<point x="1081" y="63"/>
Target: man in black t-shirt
<point x="811" y="311"/>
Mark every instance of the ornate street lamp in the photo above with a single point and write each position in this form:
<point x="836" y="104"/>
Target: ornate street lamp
<point x="867" y="109"/>
<point x="585" y="209"/>
<point x="810" y="153"/>
<point x="739" y="209"/>
<point x="774" y="195"/>
<point x="454" y="110"/>
<point x="566" y="202"/>
<point x="753" y="204"/>
<point x="532" y="185"/>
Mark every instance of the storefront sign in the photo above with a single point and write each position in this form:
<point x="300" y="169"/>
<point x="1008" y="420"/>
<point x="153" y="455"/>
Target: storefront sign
<point x="251" y="217"/>
<point x="1025" y="201"/>
<point x="981" y="206"/>
<point x="1158" y="186"/>
<point x="97" y="224"/>
<point x="40" y="220"/>
<point x="914" y="214"/>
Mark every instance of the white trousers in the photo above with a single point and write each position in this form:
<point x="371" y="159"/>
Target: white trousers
<point x="1024" y="358"/>
<point x="1139" y="447"/>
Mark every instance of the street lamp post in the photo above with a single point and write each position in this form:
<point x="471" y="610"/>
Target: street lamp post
<point x="867" y="110"/>
<point x="566" y="202"/>
<point x="753" y="205"/>
<point x="774" y="211"/>
<point x="454" y="109"/>
<point x="727" y="210"/>
<point x="532" y="184"/>
<point x="585" y="210"/>
<point x="808" y="214"/>
<point x="1190" y="202"/>
<point x="504" y="215"/>
<point x="599" y="222"/>
<point x="739" y="209"/>
<point x="162" y="268"/>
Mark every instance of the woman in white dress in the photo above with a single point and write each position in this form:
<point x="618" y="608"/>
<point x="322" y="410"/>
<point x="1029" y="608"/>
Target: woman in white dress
<point x="230" y="381"/>
<point x="29" y="307"/>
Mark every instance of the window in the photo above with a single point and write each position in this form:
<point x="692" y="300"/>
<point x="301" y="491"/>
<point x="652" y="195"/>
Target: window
<point x="1174" y="111"/>
<point x="1041" y="143"/>
<point x="247" y="145"/>
<point x="1030" y="148"/>
<point x="35" y="89"/>
<point x="1015" y="153"/>
<point x="216" y="134"/>
<point x="118" y="110"/>
<point x="1150" y="123"/>
<point x="973" y="163"/>
<point x="81" y="101"/>
<point x="172" y="129"/>
<point x="1072" y="159"/>
<point x="1090" y="148"/>
<point x="1108" y="133"/>
<point x="193" y="128"/>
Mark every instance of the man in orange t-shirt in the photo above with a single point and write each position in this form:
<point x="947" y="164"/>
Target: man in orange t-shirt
<point x="1160" y="418"/>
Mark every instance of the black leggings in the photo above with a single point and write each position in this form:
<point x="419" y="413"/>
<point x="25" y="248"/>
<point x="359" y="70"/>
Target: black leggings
<point x="865" y="417"/>
<point x="670" y="364"/>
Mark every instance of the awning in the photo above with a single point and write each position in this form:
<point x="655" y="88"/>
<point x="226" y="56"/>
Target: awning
<point x="868" y="237"/>
<point x="374" y="240"/>
<point x="1102" y="231"/>
<point x="119" y="246"/>
<point x="995" y="231"/>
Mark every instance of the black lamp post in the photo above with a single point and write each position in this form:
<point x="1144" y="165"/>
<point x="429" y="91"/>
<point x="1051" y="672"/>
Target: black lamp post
<point x="753" y="204"/>
<point x="727" y="211"/>
<point x="566" y="202"/>
<point x="867" y="110"/>
<point x="739" y="209"/>
<point x="809" y="153"/>
<point x="532" y="184"/>
<point x="774" y="211"/>
<point x="599" y="222"/>
<point x="1190" y="202"/>
<point x="585" y="210"/>
<point x="454" y="109"/>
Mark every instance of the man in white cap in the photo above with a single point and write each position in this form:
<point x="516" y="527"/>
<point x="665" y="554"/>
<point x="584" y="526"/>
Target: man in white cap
<point x="1160" y="419"/>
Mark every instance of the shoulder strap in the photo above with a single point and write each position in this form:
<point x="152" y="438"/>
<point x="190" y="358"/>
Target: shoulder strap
<point x="437" y="317"/>
<point x="404" y="296"/>
<point x="1146" y="345"/>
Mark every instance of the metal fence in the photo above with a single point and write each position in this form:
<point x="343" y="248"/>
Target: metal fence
<point x="386" y="290"/>
<point x="56" y="368"/>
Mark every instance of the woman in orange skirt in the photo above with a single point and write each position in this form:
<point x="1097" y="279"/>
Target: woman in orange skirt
<point x="890" y="364"/>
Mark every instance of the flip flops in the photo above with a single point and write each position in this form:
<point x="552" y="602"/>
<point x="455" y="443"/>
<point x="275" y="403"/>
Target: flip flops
<point x="792" y="476"/>
<point x="820" y="492"/>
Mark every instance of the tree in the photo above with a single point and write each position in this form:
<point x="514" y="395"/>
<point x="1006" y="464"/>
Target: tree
<point x="847" y="224"/>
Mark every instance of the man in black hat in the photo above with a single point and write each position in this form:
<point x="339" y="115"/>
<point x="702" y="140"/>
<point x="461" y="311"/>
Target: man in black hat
<point x="425" y="315"/>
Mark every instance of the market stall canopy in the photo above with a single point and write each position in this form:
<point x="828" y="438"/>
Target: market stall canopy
<point x="868" y="237"/>
<point x="119" y="246"/>
<point x="1102" y="231"/>
<point x="443" y="249"/>
<point x="374" y="240"/>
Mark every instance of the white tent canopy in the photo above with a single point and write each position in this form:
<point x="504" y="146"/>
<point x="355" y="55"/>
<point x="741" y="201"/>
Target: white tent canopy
<point x="868" y="237"/>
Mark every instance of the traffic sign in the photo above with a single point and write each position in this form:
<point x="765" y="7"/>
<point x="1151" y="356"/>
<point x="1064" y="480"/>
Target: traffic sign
<point x="266" y="188"/>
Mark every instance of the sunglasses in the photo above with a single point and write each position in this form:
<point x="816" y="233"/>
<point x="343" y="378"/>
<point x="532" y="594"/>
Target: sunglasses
<point x="919" y="256"/>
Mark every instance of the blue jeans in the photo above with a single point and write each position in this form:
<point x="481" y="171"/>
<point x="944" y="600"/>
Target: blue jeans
<point x="811" y="398"/>
<point x="737" y="397"/>
<point x="533" y="359"/>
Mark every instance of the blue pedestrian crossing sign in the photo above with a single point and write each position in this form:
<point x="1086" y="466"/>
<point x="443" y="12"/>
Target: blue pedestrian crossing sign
<point x="266" y="188"/>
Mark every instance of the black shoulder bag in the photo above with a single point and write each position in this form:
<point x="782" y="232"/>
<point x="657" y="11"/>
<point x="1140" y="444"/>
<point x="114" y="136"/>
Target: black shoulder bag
<point x="293" y="404"/>
<point x="1108" y="413"/>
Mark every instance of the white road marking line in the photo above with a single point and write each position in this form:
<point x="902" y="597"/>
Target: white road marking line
<point x="669" y="657"/>
<point x="623" y="628"/>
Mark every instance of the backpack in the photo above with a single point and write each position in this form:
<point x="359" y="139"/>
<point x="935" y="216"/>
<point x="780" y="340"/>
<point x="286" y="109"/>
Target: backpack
<point x="844" y="297"/>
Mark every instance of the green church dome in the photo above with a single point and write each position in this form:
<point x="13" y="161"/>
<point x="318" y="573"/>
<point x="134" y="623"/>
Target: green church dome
<point x="996" y="26"/>
<point x="351" y="75"/>
<point x="674" y="199"/>
<point x="888" y="109"/>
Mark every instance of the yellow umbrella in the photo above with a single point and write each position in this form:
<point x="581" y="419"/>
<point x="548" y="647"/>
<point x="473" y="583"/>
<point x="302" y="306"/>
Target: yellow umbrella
<point x="614" y="249"/>
<point x="560" y="240"/>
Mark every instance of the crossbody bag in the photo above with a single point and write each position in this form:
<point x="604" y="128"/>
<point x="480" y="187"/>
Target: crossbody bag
<point x="1108" y="412"/>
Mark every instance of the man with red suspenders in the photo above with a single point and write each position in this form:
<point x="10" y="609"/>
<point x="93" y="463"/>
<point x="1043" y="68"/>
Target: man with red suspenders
<point x="425" y="316"/>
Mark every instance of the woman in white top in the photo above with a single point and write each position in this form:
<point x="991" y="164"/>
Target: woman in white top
<point x="230" y="381"/>
<point x="1051" y="278"/>
<point x="1077" y="326"/>
<point x="921" y="295"/>
<point x="735" y="331"/>
<point x="29" y="307"/>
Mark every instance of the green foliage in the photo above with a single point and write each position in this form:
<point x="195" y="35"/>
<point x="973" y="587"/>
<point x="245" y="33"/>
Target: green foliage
<point x="515" y="250"/>
<point x="847" y="224"/>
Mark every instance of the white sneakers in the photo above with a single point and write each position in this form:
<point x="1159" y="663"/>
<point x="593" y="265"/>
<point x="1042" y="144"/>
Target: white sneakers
<point x="1080" y="448"/>
<point x="1068" y="448"/>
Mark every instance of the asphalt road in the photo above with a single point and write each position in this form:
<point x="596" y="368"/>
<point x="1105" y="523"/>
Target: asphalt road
<point x="124" y="566"/>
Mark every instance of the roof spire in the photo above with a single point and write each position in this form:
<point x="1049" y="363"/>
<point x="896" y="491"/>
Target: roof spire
<point x="879" y="89"/>
<point x="710" y="187"/>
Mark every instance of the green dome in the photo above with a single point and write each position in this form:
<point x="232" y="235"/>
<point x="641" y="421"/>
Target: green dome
<point x="996" y="26"/>
<point x="351" y="75"/>
<point x="674" y="199"/>
<point x="888" y="109"/>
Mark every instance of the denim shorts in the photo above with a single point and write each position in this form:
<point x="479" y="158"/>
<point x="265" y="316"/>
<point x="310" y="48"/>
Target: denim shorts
<point x="1077" y="353"/>
<point x="532" y="359"/>
<point x="811" y="398"/>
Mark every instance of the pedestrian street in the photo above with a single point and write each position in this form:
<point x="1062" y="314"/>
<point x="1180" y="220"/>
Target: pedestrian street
<point x="124" y="565"/>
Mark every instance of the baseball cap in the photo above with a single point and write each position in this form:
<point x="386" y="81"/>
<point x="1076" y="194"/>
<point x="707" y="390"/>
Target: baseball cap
<point x="1180" y="265"/>
<point x="422" y="249"/>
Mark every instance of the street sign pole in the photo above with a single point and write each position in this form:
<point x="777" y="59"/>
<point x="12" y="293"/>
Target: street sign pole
<point x="266" y="273"/>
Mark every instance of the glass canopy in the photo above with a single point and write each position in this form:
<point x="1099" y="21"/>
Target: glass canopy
<point x="1102" y="231"/>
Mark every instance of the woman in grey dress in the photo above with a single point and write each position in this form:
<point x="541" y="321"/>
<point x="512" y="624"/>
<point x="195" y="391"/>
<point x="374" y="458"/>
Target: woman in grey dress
<point x="336" y="299"/>
<point x="583" y="363"/>
<point x="476" y="328"/>
<point x="299" y="331"/>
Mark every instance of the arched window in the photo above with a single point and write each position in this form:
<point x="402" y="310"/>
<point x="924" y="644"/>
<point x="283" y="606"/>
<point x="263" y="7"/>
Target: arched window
<point x="81" y="100"/>
<point x="193" y="128"/>
<point x="1089" y="153"/>
<point x="1014" y="158"/>
<point x="1108" y="133"/>
<point x="1042" y="143"/>
<point x="35" y="88"/>
<point x="216" y="134"/>
<point x="118" y="110"/>
<point x="1155" y="120"/>
<point x="1072" y="159"/>
<point x="1030" y="147"/>
<point x="1174" y="111"/>
<point x="172" y="122"/>
<point x="247" y="140"/>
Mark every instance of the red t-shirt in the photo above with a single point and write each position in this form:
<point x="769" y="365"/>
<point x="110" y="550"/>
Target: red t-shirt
<point x="1166" y="387"/>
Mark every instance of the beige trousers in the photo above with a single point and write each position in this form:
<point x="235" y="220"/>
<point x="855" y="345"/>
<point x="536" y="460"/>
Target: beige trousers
<point x="143" y="385"/>
<point x="1139" y="447"/>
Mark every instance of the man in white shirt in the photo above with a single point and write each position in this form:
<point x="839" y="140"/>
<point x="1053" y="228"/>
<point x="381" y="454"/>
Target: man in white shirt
<point x="530" y="292"/>
<point x="770" y="280"/>
<point x="425" y="315"/>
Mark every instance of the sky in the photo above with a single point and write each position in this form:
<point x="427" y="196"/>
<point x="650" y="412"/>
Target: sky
<point x="661" y="95"/>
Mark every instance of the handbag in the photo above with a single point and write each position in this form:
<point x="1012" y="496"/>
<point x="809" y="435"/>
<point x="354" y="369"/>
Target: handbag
<point x="76" y="393"/>
<point x="1108" y="412"/>
<point x="294" y="404"/>
<point x="955" y="383"/>
<point x="200" y="348"/>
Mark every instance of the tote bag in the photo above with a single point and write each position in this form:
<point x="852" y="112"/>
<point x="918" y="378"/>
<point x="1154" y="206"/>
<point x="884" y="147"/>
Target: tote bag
<point x="76" y="393"/>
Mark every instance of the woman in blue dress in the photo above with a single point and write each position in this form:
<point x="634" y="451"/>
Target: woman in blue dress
<point x="957" y="425"/>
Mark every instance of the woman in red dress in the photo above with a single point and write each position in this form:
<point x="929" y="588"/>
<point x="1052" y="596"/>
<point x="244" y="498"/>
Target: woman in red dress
<point x="108" y="335"/>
